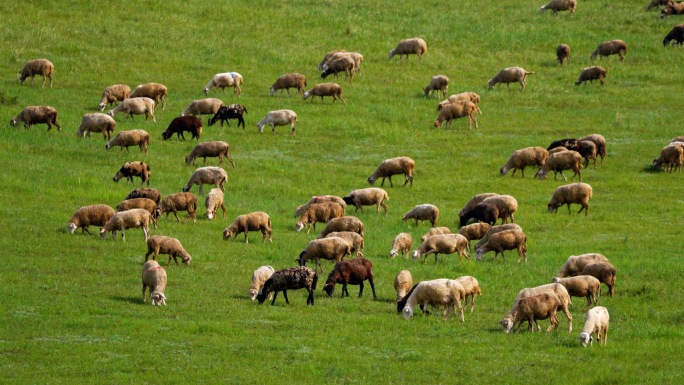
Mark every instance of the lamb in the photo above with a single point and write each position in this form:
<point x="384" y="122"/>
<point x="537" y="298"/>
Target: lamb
<point x="604" y="272"/>
<point x="437" y="292"/>
<point x="346" y="223"/>
<point x="128" y="219"/>
<point x="210" y="150"/>
<point x="576" y="263"/>
<point x="259" y="277"/>
<point x="551" y="288"/>
<point x="504" y="240"/>
<point x="245" y="223"/>
<point x="207" y="175"/>
<point x="96" y="122"/>
<point x="472" y="289"/>
<point x="135" y="106"/>
<point x="367" y="197"/>
<point x="402" y="244"/>
<point x="319" y="199"/>
<point x="672" y="8"/>
<point x="539" y="307"/>
<point x="588" y="151"/>
<point x="529" y="156"/>
<point x="453" y="111"/>
<point x="600" y="143"/>
<point x="475" y="200"/>
<point x="582" y="286"/>
<point x="506" y="204"/>
<point x="560" y="5"/>
<point x="182" y="124"/>
<point x="140" y="203"/>
<point x="34" y="67"/>
<point x="278" y="118"/>
<point x="496" y="229"/>
<point x="145" y="192"/>
<point x="333" y="249"/>
<point x="672" y="156"/>
<point x="154" y="277"/>
<point x="131" y="169"/>
<point x="352" y="272"/>
<point x="435" y="231"/>
<point x="483" y="212"/>
<point x="474" y="231"/>
<point x="154" y="91"/>
<point x="676" y="34"/>
<point x="571" y="193"/>
<point x="354" y="239"/>
<point x="113" y="94"/>
<point x="344" y="64"/>
<point x="444" y="244"/>
<point x="94" y="215"/>
<point x="325" y="89"/>
<point x="223" y="80"/>
<point x="37" y="115"/>
<point x="206" y="106"/>
<point x="595" y="321"/>
<point x="437" y="83"/>
<point x="611" y="47"/>
<point x="510" y="75"/>
<point x="294" y="278"/>
<point x="564" y="160"/>
<point x="213" y="201"/>
<point x="406" y="47"/>
<point x="125" y="139"/>
<point x="318" y="212"/>
<point x="231" y="111"/>
<point x="287" y="81"/>
<point x="424" y="212"/>
<point x="563" y="53"/>
<point x="459" y="98"/>
<point x="402" y="284"/>
<point x="393" y="166"/>
<point x="184" y="201"/>
<point x="592" y="73"/>
<point x="159" y="244"/>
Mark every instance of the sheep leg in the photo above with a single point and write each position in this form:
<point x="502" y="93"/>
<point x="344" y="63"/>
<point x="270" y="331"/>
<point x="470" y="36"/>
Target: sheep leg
<point x="275" y="294"/>
<point x="360" y="290"/>
<point x="175" y="214"/>
<point x="310" y="298"/>
<point x="143" y="291"/>
<point x="384" y="206"/>
<point x="287" y="301"/>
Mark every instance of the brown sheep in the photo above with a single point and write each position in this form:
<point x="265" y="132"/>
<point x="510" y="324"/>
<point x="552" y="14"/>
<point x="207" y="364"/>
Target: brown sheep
<point x="352" y="272"/>
<point x="458" y="110"/>
<point x="37" y="115"/>
<point x="611" y="47"/>
<point x="287" y="81"/>
<point x="393" y="166"/>
<point x="131" y="169"/>
<point x="604" y="272"/>
<point x="183" y="201"/>
<point x="245" y="223"/>
<point x="42" y="67"/>
<point x="592" y="73"/>
<point x="563" y="53"/>
<point x="415" y="46"/>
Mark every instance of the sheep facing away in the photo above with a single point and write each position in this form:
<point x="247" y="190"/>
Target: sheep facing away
<point x="367" y="197"/>
<point x="96" y="122"/>
<point x="135" y="106"/>
<point x="155" y="91"/>
<point x="131" y="169"/>
<point x="604" y="272"/>
<point x="472" y="289"/>
<point x="287" y="81"/>
<point x="458" y="110"/>
<point x="504" y="240"/>
<point x="402" y="244"/>
<point x="42" y="67"/>
<point x="564" y="160"/>
<point x="330" y="248"/>
<point x="437" y="292"/>
<point x="125" y="139"/>
<point x="114" y="94"/>
<point x="590" y="74"/>
<point x="529" y="156"/>
<point x="245" y="223"/>
<point x="414" y="46"/>
<point x="94" y="215"/>
<point x="294" y="278"/>
<point x="37" y="115"/>
<point x="402" y="284"/>
<point x="128" y="219"/>
<point x="213" y="201"/>
<point x="560" y="5"/>
<point x="207" y="175"/>
<point x="223" y="80"/>
<point x="444" y="244"/>
<point x="510" y="75"/>
<point x="159" y="244"/>
<point x="532" y="309"/>
<point x="325" y="89"/>
<point x="393" y="166"/>
<point x="424" y="212"/>
<point x="595" y="322"/>
<point x="278" y="118"/>
<point x="611" y="47"/>
<point x="154" y="278"/>
<point x="183" y="201"/>
<point x="437" y="83"/>
<point x="582" y="286"/>
<point x="571" y="193"/>
<point x="352" y="272"/>
<point x="212" y="149"/>
<point x="563" y="53"/>
<point x="259" y="277"/>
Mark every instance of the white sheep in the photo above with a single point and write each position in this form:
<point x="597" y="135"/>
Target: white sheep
<point x="325" y="89"/>
<point x="559" y="161"/>
<point x="346" y="223"/>
<point x="113" y="94"/>
<point x="96" y="122"/>
<point x="94" y="215"/>
<point x="223" y="80"/>
<point x="403" y="283"/>
<point x="437" y="83"/>
<point x="42" y="67"/>
<point x="159" y="244"/>
<point x="435" y="231"/>
<point x="424" y="212"/>
<point x="595" y="322"/>
<point x="472" y="288"/>
<point x="154" y="278"/>
<point x="367" y="197"/>
<point x="556" y="289"/>
<point x="31" y="115"/>
<point x="529" y="156"/>
<point x="318" y="212"/>
<point x="442" y="244"/>
<point x="571" y="193"/>
<point x="393" y="166"/>
<point x="207" y="175"/>
<point x="125" y="139"/>
<point x="415" y="46"/>
<point x="330" y="248"/>
<point x="582" y="286"/>
<point x="259" y="277"/>
<point x="510" y="75"/>
<point x="504" y="240"/>
<point x="278" y="118"/>
<point x="287" y="81"/>
<point x="127" y="220"/>
<point x="245" y="223"/>
<point x="213" y="201"/>
<point x="576" y="263"/>
<point x="154" y="91"/>
<point x="206" y="106"/>
<point x="437" y="292"/>
<point x="141" y="203"/>
<point x="135" y="106"/>
<point x="354" y="239"/>
<point x="560" y="5"/>
<point x="402" y="244"/>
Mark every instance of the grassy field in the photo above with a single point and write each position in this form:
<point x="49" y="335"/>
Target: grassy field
<point x="71" y="310"/>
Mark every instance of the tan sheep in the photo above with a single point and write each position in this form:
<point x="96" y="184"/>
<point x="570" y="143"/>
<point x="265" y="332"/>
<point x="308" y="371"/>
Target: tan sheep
<point x="367" y="197"/>
<point x="154" y="91"/>
<point x="135" y="106"/>
<point x="125" y="139"/>
<point x="42" y="67"/>
<point x="595" y="321"/>
<point x="671" y="156"/>
<point x="393" y="166"/>
<point x="140" y="203"/>
<point x="403" y="283"/>
<point x="504" y="240"/>
<point x="96" y="122"/>
<point x="223" y="80"/>
<point x="213" y="149"/>
<point x="611" y="47"/>
<point x="124" y="220"/>
<point x="206" y="106"/>
<point x="551" y="288"/>
<point x="507" y="206"/>
<point x="424" y="212"/>
<point x="145" y="192"/>
<point x="459" y="98"/>
<point x="154" y="278"/>
<point x="559" y="161"/>
<point x="563" y="53"/>
<point x="435" y="231"/>
<point x="287" y="81"/>
<point x="575" y="264"/>
<point x="245" y="223"/>
<point x="437" y="83"/>
<point x="330" y="248"/>
<point x="319" y="199"/>
<point x="207" y="175"/>
<point x="184" y="201"/>
<point x="259" y="277"/>
<point x="529" y="156"/>
<point x="113" y="94"/>
<point x="354" y="239"/>
<point x="334" y="55"/>
<point x="472" y="289"/>
<point x="279" y="118"/>
<point x="346" y="223"/>
<point x="571" y="193"/>
<point x="582" y="286"/>
<point x="474" y="201"/>
<point x="496" y="229"/>
<point x="414" y="46"/>
<point x="604" y="272"/>
<point x="453" y="111"/>
<point x="510" y="75"/>
<point x="559" y="5"/>
<point x="94" y="215"/>
<point x="442" y="244"/>
<point x="437" y="292"/>
<point x="588" y="151"/>
<point x="37" y="115"/>
<point x="131" y="169"/>
<point x="344" y="64"/>
<point x="590" y="74"/>
<point x="318" y="212"/>
<point x="213" y="201"/>
<point x="159" y="244"/>
<point x="326" y="89"/>
<point x="474" y="231"/>
<point x="600" y="143"/>
<point x="402" y="244"/>
<point x="531" y="309"/>
<point x="557" y="149"/>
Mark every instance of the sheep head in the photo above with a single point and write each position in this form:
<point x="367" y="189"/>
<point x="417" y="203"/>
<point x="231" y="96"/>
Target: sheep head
<point x="71" y="227"/>
<point x="507" y="324"/>
<point x="157" y="298"/>
<point x="329" y="289"/>
<point x="407" y="312"/>
<point x="227" y="234"/>
<point x="299" y="226"/>
<point x="585" y="338"/>
<point x="415" y="255"/>
<point x="253" y="294"/>
<point x="13" y="122"/>
<point x="393" y="253"/>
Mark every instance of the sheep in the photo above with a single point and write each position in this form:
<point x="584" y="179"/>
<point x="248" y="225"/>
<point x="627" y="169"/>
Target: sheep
<point x="557" y="149"/>
<point x="435" y="231"/>
<point x="600" y="143"/>
<point x="346" y="223"/>
<point x="565" y="301"/>
<point x="184" y="201"/>
<point x="344" y="64"/>
<point x="656" y="3"/>
<point x="475" y="200"/>
<point x="135" y="106"/>
<point x="568" y="144"/>
<point x="528" y="156"/>
<point x="458" y="110"/>
<point x="330" y="248"/>
<point x="113" y="94"/>
<point x="672" y="8"/>
<point x="245" y="223"/>
<point x="393" y="166"/>
<point x="496" y="229"/>
<point x="259" y="277"/>
<point x="145" y="192"/>
<point x="610" y="47"/>
<point x="287" y="81"/>
<point x="538" y="307"/>
<point x="510" y="75"/>
<point x="671" y="156"/>
<point x="96" y="122"/>
<point x="125" y="139"/>
<point x="571" y="193"/>
<point x="140" y="203"/>
<point x="402" y="244"/>
<point x="588" y="151"/>
<point x="367" y="197"/>
<point x="406" y="47"/>
<point x="576" y="263"/>
<point x="560" y="5"/>
<point x="402" y="284"/>
<point x="231" y="111"/>
<point x="159" y="244"/>
<point x="437" y="292"/>
<point x="424" y="212"/>
<point x="213" y="201"/>
<point x="31" y="115"/>
<point x="592" y="73"/>
<point x="278" y="118"/>
<point x="472" y="289"/>
<point x="354" y="239"/>
<point x="676" y="34"/>
<point x="35" y="67"/>
<point x="223" y="80"/>
<point x="332" y="56"/>
<point x="504" y="240"/>
<point x="318" y="212"/>
<point x="154" y="91"/>
<point x="319" y="199"/>
<point x="131" y="169"/>
<point x="474" y="231"/>
<point x="564" y="160"/>
<point x="506" y="204"/>
<point x="94" y="215"/>
<point x="563" y="53"/>
<point x="483" y="212"/>
<point x="325" y="89"/>
<point x="444" y="244"/>
<point x="210" y="150"/>
<point x="207" y="175"/>
<point x="352" y="272"/>
<point x="595" y="321"/>
<point x="437" y="83"/>
<point x="293" y="278"/>
<point x="206" y="106"/>
<point x="154" y="277"/>
<point x="604" y="272"/>
<point x="182" y="124"/>
<point x="459" y="98"/>
<point x="128" y="219"/>
<point x="582" y="286"/>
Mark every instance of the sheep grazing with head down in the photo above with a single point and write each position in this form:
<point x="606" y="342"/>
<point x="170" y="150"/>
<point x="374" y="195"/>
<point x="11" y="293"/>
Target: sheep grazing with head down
<point x="113" y="94"/>
<point x="393" y="166"/>
<point x="332" y="249"/>
<point x="472" y="288"/>
<point x="213" y="201"/>
<point x="506" y="204"/>
<point x="529" y="156"/>
<point x="556" y="289"/>
<point x="600" y="142"/>
<point x="671" y="156"/>
<point x="140" y="203"/>
<point x="125" y="139"/>
<point x="564" y="160"/>
<point x="532" y="309"/>
<point x="402" y="244"/>
<point x="352" y="272"/>
<point x="131" y="169"/>
<point x="486" y="212"/>
<point x="367" y="197"/>
<point x="459" y="98"/>
<point x="96" y="122"/>
<point x="582" y="286"/>
<point x="278" y="118"/>
<point x="154" y="278"/>
<point x="571" y="193"/>
<point x="287" y="81"/>
<point x="128" y="219"/>
<point x="37" y="115"/>
<point x="510" y="75"/>
<point x="437" y="292"/>
<point x="354" y="239"/>
<point x="41" y="67"/>
<point x="672" y="8"/>
<point x="182" y="124"/>
<point x="145" y="192"/>
<point x="332" y="56"/>
<point x="346" y="223"/>
<point x="226" y="113"/>
<point x="94" y="215"/>
<point x="259" y="277"/>
<point x="207" y="175"/>
<point x="159" y="244"/>
<point x="293" y="278"/>
<point x="442" y="244"/>
<point x="184" y="201"/>
<point x="610" y="47"/>
<point x="223" y="80"/>
<point x="457" y="110"/>
<point x="496" y="229"/>
<point x="414" y="46"/>
<point x="318" y="212"/>
<point x="435" y="231"/>
<point x="155" y="91"/>
<point x="575" y="264"/>
<point x="559" y="5"/>
<point x="437" y="83"/>
<point x="562" y="53"/>
<point x="424" y="212"/>
<point x="504" y="240"/>
<point x="676" y="34"/>
<point x="256" y="221"/>
<point x="325" y="89"/>
<point x="206" y="106"/>
<point x="213" y="149"/>
<point x="590" y="74"/>
<point x="595" y="322"/>
<point x="344" y="64"/>
<point x="319" y="199"/>
<point x="604" y="272"/>
<point x="135" y="106"/>
<point x="402" y="284"/>
<point x="474" y="231"/>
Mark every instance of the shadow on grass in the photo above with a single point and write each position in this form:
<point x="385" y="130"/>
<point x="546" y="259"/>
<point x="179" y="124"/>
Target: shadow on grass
<point x="136" y="300"/>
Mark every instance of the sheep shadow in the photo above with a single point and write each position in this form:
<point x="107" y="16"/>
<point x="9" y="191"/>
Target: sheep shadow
<point x="131" y="300"/>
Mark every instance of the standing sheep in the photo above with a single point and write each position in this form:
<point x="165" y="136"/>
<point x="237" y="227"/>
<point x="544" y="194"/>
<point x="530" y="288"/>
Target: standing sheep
<point x="226" y="113"/>
<point x="114" y="94"/>
<point x="94" y="215"/>
<point x="127" y="220"/>
<point x="496" y="229"/>
<point x="486" y="212"/>
<point x="611" y="47"/>
<point x="37" y="115"/>
<point x="213" y="149"/>
<point x="510" y="75"/>
<point x="332" y="249"/>
<point x="154" y="278"/>
<point x="458" y="110"/>
<point x="207" y="106"/>
<point x="562" y="53"/>
<point x="672" y="156"/>
<point x="592" y="73"/>
<point x="96" y="122"/>
<point x="181" y="124"/>
<point x="444" y="244"/>
<point x="245" y="223"/>
<point x="341" y="64"/>
<point x="354" y="239"/>
<point x="42" y="67"/>
<point x="159" y="244"/>
<point x="504" y="240"/>
<point x="472" y="289"/>
<point x="259" y="277"/>
<point x="318" y="212"/>
<point x="582" y="286"/>
<point x="588" y="151"/>
<point x="213" y="201"/>
<point x="529" y="156"/>
<point x="506" y="204"/>
<point x="367" y="197"/>
<point x="346" y="223"/>
<point x="564" y="160"/>
<point x="294" y="278"/>
<point x="575" y="264"/>
<point x="207" y="175"/>
<point x="131" y="169"/>
<point x="556" y="289"/>
<point x="672" y="8"/>
<point x="402" y="284"/>
<point x="424" y="212"/>
<point x="437" y="83"/>
<point x="571" y="193"/>
<point x="459" y="98"/>
<point x="319" y="199"/>
<point x="475" y="200"/>
<point x="278" y="118"/>
<point x="325" y="89"/>
<point x="125" y="139"/>
<point x="474" y="231"/>
<point x="604" y="272"/>
<point x="437" y="292"/>
<point x="352" y="272"/>
<point x="393" y="166"/>
<point x="560" y="5"/>
<point x="595" y="321"/>
<point x="140" y="203"/>
<point x="184" y="201"/>
<point x="154" y="91"/>
<point x="531" y="309"/>
<point x="135" y="106"/>
<point x="408" y="47"/>
<point x="600" y="143"/>
<point x="402" y="244"/>
<point x="223" y="80"/>
<point x="287" y="81"/>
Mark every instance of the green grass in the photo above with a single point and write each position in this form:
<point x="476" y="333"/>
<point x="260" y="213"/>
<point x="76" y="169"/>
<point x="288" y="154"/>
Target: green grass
<point x="71" y="310"/>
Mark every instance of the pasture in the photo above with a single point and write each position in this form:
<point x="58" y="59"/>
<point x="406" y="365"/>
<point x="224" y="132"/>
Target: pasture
<point x="72" y="310"/>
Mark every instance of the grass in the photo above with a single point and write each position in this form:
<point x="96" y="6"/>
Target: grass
<point x="71" y="311"/>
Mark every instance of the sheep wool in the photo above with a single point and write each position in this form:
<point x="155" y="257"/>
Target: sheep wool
<point x="394" y="166"/>
<point x="135" y="106"/>
<point x="571" y="193"/>
<point x="125" y="139"/>
<point x="37" y="115"/>
<point x="596" y="321"/>
<point x="154" y="278"/>
<point x="212" y="149"/>
<point x="437" y="292"/>
<point x="159" y="244"/>
<point x="250" y="222"/>
<point x="259" y="277"/>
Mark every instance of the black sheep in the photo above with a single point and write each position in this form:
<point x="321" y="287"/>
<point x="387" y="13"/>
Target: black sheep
<point x="233" y="111"/>
<point x="178" y="125"/>
<point x="570" y="144"/>
<point x="300" y="277"/>
<point x="352" y="272"/>
<point x="676" y="34"/>
<point x="483" y="212"/>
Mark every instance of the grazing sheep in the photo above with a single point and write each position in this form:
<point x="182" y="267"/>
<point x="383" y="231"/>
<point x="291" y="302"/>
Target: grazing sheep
<point x="557" y="149"/>
<point x="453" y="111"/>
<point x="562" y="53"/>
<point x="259" y="277"/>
<point x="287" y="81"/>
<point x="318" y="212"/>
<point x="159" y="244"/>
<point x="184" y="201"/>
<point x="588" y="151"/>
<point x="611" y="47"/>
<point x="506" y="204"/>
<point x="293" y="278"/>
<point x="319" y="199"/>
<point x="135" y="106"/>
<point x="529" y="156"/>
<point x="437" y="83"/>
<point x="333" y="249"/>
<point x="459" y="98"/>
<point x="131" y="169"/>
<point x="407" y="47"/>
<point x="442" y="244"/>
<point x="510" y="75"/>
<point x="367" y="197"/>
<point x="475" y="200"/>
<point x="37" y="115"/>
<point x="346" y="223"/>
<point x="672" y="8"/>
<point x="564" y="160"/>
<point x="330" y="57"/>
<point x="245" y="223"/>
<point x="656" y="3"/>
<point x="504" y="240"/>
<point x="94" y="215"/>
<point x="592" y="73"/>
<point x="672" y="156"/>
<point x="231" y="111"/>
<point x="223" y="80"/>
<point x="325" y="89"/>
<point x="483" y="212"/>
<point x="114" y="94"/>
<point x="604" y="272"/>
<point x="210" y="150"/>
<point x="568" y="144"/>
<point x="344" y="64"/>
<point x="127" y="220"/>
<point x="600" y="143"/>
<point x="560" y="5"/>
<point x="496" y="229"/>
<point x="437" y="292"/>
<point x="393" y="166"/>
<point x="582" y="286"/>
<point x="278" y="118"/>
<point x="207" y="175"/>
<point x="676" y="34"/>
<point x="140" y="203"/>
<point x="145" y="192"/>
<point x="595" y="321"/>
<point x="474" y="231"/>
<point x="352" y="272"/>
<point x="213" y="201"/>
<point x="435" y="231"/>
<point x="576" y="263"/>
<point x="354" y="239"/>
<point x="182" y="124"/>
<point x="424" y="212"/>
<point x="42" y="67"/>
<point x="551" y="288"/>
<point x="571" y="193"/>
<point x="154" y="277"/>
<point x="402" y="244"/>
<point x="472" y="289"/>
<point x="532" y="309"/>
<point x="96" y="122"/>
<point x="206" y="106"/>
<point x="125" y="139"/>
<point x="402" y="284"/>
<point x="154" y="91"/>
